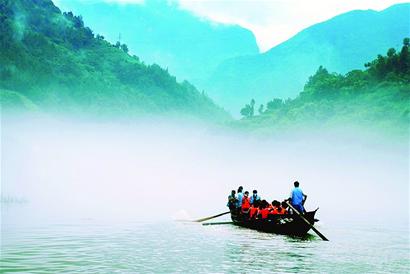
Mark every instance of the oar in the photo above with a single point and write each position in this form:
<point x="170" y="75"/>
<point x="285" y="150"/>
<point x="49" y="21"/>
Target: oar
<point x="209" y="218"/>
<point x="218" y="223"/>
<point x="306" y="221"/>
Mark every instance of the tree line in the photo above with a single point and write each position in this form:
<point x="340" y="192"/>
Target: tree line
<point x="379" y="92"/>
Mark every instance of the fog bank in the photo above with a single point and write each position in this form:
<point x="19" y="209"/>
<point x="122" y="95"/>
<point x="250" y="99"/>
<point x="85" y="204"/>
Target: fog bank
<point x="63" y="171"/>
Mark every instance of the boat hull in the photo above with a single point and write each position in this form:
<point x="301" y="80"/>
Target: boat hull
<point x="287" y="224"/>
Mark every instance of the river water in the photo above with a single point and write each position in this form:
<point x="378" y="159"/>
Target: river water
<point x="169" y="247"/>
<point x="81" y="198"/>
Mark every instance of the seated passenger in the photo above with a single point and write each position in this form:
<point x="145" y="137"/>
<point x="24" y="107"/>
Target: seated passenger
<point x="232" y="200"/>
<point x="255" y="197"/>
<point x="284" y="208"/>
<point x="275" y="203"/>
<point x="263" y="212"/>
<point x="253" y="211"/>
<point x="274" y="209"/>
<point x="245" y="203"/>
<point x="280" y="210"/>
<point x="264" y="203"/>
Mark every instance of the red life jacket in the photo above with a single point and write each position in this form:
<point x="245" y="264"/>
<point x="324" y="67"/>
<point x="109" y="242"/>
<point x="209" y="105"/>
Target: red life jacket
<point x="264" y="213"/>
<point x="278" y="211"/>
<point x="245" y="203"/>
<point x="253" y="211"/>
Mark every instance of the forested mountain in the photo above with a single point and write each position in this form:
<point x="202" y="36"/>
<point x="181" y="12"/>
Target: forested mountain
<point x="159" y="31"/>
<point x="377" y="97"/>
<point x="50" y="61"/>
<point x="340" y="44"/>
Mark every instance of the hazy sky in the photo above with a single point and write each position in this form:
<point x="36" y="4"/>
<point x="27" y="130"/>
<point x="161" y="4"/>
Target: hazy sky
<point x="272" y="21"/>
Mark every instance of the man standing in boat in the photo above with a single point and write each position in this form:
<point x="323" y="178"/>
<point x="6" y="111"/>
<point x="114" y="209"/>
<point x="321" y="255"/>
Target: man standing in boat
<point x="297" y="198"/>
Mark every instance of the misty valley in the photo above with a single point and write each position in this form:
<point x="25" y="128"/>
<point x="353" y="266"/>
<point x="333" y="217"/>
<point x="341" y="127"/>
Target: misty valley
<point x="130" y="128"/>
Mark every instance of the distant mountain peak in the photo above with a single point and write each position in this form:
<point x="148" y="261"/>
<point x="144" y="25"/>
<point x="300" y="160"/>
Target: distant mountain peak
<point x="342" y="43"/>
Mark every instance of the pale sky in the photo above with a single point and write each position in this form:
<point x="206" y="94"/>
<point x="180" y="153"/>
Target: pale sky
<point x="273" y="21"/>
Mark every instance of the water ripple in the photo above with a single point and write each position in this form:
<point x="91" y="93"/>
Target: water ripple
<point x="192" y="248"/>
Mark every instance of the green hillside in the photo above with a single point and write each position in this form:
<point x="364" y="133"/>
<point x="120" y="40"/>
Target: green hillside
<point x="340" y="44"/>
<point x="52" y="61"/>
<point x="376" y="98"/>
<point x="162" y="32"/>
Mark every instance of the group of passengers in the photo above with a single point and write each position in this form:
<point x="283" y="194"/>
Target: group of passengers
<point x="256" y="208"/>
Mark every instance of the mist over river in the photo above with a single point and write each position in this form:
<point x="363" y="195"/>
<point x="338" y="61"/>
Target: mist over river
<point x="92" y="197"/>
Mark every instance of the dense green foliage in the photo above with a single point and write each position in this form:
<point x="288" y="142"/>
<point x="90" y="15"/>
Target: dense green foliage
<point x="51" y="59"/>
<point x="378" y="96"/>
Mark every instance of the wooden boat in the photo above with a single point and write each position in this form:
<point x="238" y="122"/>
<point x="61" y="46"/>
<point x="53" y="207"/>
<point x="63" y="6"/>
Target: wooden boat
<point x="287" y="224"/>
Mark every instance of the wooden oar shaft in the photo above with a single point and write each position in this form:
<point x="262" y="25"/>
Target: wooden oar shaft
<point x="218" y="223"/>
<point x="306" y="221"/>
<point x="211" y="217"/>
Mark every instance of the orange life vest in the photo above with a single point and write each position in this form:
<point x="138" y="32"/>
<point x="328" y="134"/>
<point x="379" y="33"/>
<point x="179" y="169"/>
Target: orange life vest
<point x="253" y="211"/>
<point x="278" y="211"/>
<point x="264" y="213"/>
<point x="245" y="203"/>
